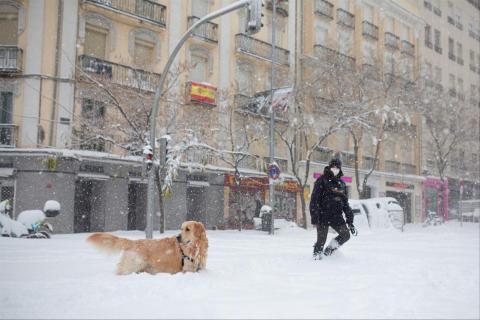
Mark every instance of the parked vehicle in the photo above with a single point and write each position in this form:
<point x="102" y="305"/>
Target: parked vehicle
<point x="383" y="213"/>
<point x="29" y="223"/>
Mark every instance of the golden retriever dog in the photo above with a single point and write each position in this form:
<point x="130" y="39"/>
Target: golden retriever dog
<point x="186" y="252"/>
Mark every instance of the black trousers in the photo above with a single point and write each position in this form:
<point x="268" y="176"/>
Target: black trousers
<point x="322" y="231"/>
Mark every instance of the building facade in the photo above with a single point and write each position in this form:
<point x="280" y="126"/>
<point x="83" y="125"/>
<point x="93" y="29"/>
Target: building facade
<point x="81" y="75"/>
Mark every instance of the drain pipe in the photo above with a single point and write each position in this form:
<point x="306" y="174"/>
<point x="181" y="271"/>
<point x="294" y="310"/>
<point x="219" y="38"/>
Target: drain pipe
<point x="57" y="63"/>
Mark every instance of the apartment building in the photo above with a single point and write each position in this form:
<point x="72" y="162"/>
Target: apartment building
<point x="81" y="75"/>
<point x="450" y="55"/>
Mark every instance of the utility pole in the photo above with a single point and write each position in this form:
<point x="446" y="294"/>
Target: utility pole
<point x="272" y="118"/>
<point x="254" y="24"/>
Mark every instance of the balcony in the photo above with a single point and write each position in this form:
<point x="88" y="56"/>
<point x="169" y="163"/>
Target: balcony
<point x="368" y="162"/>
<point x="258" y="105"/>
<point x="461" y="96"/>
<point x="10" y="59"/>
<point x="332" y="56"/>
<point x="439" y="87"/>
<point x="324" y="8"/>
<point x="437" y="11"/>
<point x="408" y="168"/>
<point x="427" y="5"/>
<point x="150" y="11"/>
<point x="322" y="154"/>
<point x="260" y="49"/>
<point x="451" y="56"/>
<point x="392" y="166"/>
<point x="408" y="48"/>
<point x="391" y="40"/>
<point x="199" y="156"/>
<point x="438" y="49"/>
<point x="473" y="68"/>
<point x="460" y="61"/>
<point x="207" y="31"/>
<point x="345" y="18"/>
<point x="451" y="20"/>
<point x="119" y="74"/>
<point x="8" y="135"/>
<point x="370" y="30"/>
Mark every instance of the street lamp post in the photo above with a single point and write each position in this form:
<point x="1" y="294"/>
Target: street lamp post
<point x="272" y="119"/>
<point x="253" y="26"/>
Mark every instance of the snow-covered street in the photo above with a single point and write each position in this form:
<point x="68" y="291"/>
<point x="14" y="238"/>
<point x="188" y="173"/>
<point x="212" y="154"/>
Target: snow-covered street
<point x="428" y="272"/>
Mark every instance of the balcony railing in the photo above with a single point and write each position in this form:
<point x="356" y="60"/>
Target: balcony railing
<point x="392" y="166"/>
<point x="145" y="9"/>
<point x="370" y="30"/>
<point x="333" y="57"/>
<point x="437" y="11"/>
<point x="391" y="40"/>
<point x="10" y="59"/>
<point x="473" y="68"/>
<point x="439" y="87"/>
<point x="199" y="156"/>
<point x="8" y="135"/>
<point x="428" y="43"/>
<point x="257" y="105"/>
<point x="409" y="168"/>
<point x="452" y="92"/>
<point x="461" y="96"/>
<point x="408" y="48"/>
<point x="438" y="49"/>
<point x="451" y="56"/>
<point x="345" y="18"/>
<point x="281" y="6"/>
<point x="119" y="74"/>
<point x="260" y="49"/>
<point x="324" y="8"/>
<point x="451" y="20"/>
<point x="207" y="31"/>
<point x="460" y="61"/>
<point x="367" y="162"/>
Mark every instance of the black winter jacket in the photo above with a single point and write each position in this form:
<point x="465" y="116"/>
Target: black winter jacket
<point x="329" y="199"/>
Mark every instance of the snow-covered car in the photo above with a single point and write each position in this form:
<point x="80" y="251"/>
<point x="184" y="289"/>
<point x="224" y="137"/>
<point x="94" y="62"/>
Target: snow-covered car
<point x="360" y="219"/>
<point x="383" y="212"/>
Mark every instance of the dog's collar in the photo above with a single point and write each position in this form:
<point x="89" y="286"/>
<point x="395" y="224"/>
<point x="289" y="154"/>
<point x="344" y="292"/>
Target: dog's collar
<point x="184" y="256"/>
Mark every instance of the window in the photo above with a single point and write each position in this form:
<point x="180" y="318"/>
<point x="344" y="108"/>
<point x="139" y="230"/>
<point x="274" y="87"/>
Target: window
<point x="451" y="81"/>
<point x="368" y="53"/>
<point x="368" y="13"/>
<point x="405" y="35"/>
<point x="199" y="59"/>
<point x="459" y="53"/>
<point x="427" y="4"/>
<point x="389" y="63"/>
<point x="144" y="53"/>
<point x="344" y="40"/>
<point x="95" y="41"/>
<point x="451" y="49"/>
<point x="428" y="36"/>
<point x="246" y="79"/>
<point x="8" y="25"/>
<point x="438" y="37"/>
<point x="200" y="8"/>
<point x="428" y="70"/>
<point x="389" y="24"/>
<point x="321" y="35"/>
<point x="438" y="75"/>
<point x="460" y="85"/>
<point x="473" y="91"/>
<point x="472" y="58"/>
<point x="93" y="109"/>
<point x="6" y="103"/>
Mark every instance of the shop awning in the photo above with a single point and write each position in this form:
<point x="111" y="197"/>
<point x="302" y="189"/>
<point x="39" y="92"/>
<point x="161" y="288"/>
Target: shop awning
<point x="7" y="172"/>
<point x="93" y="176"/>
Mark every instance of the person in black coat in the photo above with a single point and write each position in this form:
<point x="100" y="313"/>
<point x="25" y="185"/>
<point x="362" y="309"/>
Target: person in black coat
<point x="328" y="203"/>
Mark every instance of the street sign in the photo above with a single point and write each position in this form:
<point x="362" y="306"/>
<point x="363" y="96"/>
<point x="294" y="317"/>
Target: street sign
<point x="273" y="171"/>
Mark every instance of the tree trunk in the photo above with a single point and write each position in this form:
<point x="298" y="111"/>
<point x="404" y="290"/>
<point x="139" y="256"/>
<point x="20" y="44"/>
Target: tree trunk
<point x="304" y="206"/>
<point x="158" y="183"/>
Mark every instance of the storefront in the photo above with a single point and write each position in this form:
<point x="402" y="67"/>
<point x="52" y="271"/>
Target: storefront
<point x="403" y="192"/>
<point x="433" y="193"/>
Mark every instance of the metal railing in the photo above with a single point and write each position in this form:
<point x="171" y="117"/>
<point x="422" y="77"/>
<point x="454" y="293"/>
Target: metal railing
<point x="261" y="49"/>
<point x="437" y="11"/>
<point x="145" y="9"/>
<point x="324" y="8"/>
<point x="10" y="59"/>
<point x="452" y="92"/>
<point x="257" y="105"/>
<point x="408" y="48"/>
<point x="119" y="74"/>
<point x="473" y="67"/>
<point x="460" y="61"/>
<point x="332" y="56"/>
<point x="345" y="18"/>
<point x="281" y="6"/>
<point x="8" y="135"/>
<point x="428" y="43"/>
<point x="392" y="166"/>
<point x="391" y="40"/>
<point x="367" y="163"/>
<point x="199" y="156"/>
<point x="370" y="30"/>
<point x="409" y="168"/>
<point x="207" y="31"/>
<point x="438" y="49"/>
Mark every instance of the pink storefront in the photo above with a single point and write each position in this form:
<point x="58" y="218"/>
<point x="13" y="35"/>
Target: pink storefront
<point x="432" y="197"/>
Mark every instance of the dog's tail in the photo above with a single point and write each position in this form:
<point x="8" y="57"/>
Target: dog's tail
<point x="109" y="243"/>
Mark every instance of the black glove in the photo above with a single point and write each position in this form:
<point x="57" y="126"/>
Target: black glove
<point x="352" y="229"/>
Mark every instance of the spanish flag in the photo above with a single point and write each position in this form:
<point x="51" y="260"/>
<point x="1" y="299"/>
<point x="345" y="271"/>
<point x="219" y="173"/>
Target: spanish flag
<point x="202" y="92"/>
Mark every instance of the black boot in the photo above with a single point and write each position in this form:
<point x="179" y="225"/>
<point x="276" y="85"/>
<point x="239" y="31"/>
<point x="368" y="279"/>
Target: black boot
<point x="317" y="252"/>
<point x="333" y="245"/>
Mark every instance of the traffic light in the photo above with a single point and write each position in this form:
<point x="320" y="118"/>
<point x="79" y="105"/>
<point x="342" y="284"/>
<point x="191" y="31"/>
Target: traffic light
<point x="254" y="17"/>
<point x="148" y="152"/>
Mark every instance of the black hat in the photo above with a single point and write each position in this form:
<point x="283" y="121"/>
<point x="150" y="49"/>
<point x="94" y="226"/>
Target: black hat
<point x="335" y="162"/>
